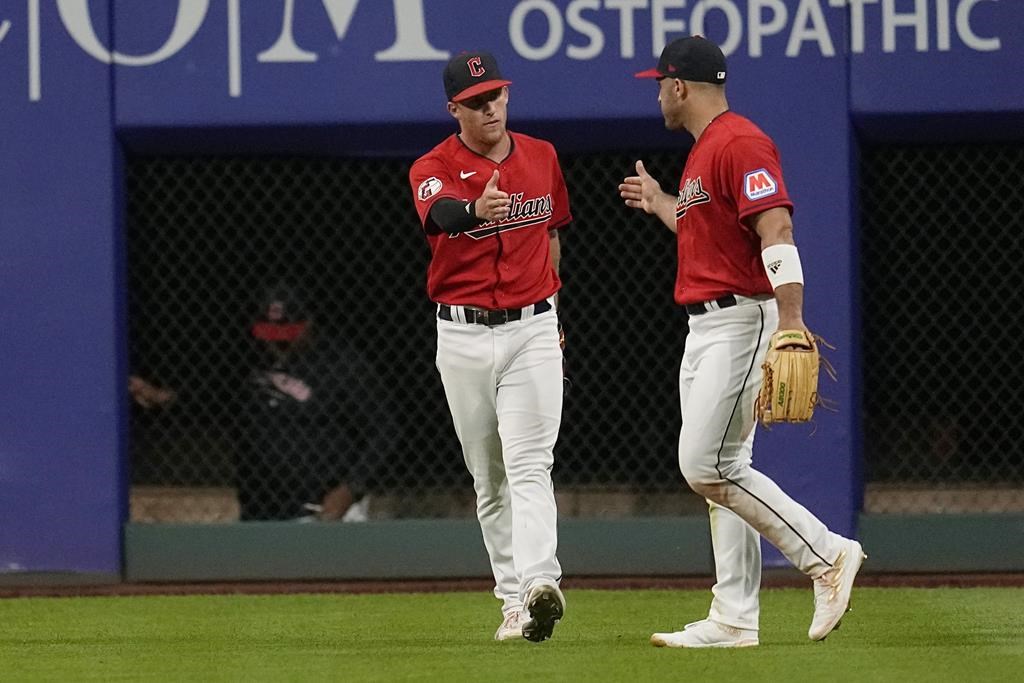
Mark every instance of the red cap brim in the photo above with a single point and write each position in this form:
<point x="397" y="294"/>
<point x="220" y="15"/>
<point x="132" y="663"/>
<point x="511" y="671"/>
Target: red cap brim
<point x="482" y="87"/>
<point x="650" y="73"/>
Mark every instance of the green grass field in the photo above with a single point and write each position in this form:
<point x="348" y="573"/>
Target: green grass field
<point x="945" y="634"/>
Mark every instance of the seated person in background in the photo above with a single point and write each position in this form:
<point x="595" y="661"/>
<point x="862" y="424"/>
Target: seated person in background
<point x="314" y="419"/>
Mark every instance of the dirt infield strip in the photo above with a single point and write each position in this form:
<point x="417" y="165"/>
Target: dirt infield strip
<point x="771" y="580"/>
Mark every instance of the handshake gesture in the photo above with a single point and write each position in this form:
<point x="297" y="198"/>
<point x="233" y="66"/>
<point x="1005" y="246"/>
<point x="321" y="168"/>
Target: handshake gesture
<point x="641" y="191"/>
<point x="494" y="204"/>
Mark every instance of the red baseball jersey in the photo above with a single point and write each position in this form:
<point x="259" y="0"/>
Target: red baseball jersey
<point x="495" y="265"/>
<point x="733" y="172"/>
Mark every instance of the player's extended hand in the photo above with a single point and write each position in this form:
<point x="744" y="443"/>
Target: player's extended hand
<point x="640" y="191"/>
<point x="493" y="204"/>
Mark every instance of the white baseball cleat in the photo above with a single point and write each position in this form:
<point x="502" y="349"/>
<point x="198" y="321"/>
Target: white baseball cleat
<point x="511" y="628"/>
<point x="545" y="605"/>
<point x="832" y="591"/>
<point x="707" y="633"/>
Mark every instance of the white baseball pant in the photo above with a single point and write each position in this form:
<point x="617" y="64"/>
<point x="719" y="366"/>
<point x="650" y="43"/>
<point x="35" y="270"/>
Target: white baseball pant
<point x="719" y="379"/>
<point x="504" y="389"/>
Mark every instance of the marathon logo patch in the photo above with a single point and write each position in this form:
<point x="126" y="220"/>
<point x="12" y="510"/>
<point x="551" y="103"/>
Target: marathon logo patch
<point x="428" y="188"/>
<point x="759" y="184"/>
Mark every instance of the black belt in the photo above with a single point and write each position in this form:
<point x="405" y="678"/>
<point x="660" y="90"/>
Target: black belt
<point x="703" y="307"/>
<point x="484" y="316"/>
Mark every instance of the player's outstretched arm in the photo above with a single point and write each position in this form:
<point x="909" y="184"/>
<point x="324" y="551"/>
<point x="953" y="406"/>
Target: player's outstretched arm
<point x="642" y="191"/>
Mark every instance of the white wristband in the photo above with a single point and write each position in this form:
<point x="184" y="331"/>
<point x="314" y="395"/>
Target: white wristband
<point x="782" y="264"/>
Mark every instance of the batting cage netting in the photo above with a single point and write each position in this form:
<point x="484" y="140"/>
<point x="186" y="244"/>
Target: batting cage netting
<point x="233" y="421"/>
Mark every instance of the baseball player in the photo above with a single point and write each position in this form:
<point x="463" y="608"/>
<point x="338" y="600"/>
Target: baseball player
<point x="732" y="219"/>
<point x="491" y="203"/>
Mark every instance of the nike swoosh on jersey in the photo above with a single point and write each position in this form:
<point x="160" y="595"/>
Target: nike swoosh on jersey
<point x="466" y="174"/>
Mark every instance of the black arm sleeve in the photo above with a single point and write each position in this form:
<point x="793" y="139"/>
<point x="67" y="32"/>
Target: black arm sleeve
<point x="451" y="216"/>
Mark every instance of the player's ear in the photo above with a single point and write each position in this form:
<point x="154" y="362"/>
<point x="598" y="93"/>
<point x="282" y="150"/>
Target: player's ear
<point x="681" y="89"/>
<point x="452" y="108"/>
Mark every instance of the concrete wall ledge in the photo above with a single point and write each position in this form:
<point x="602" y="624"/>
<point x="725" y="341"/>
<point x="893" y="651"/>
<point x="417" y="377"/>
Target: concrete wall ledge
<point x="401" y="549"/>
<point x="442" y="548"/>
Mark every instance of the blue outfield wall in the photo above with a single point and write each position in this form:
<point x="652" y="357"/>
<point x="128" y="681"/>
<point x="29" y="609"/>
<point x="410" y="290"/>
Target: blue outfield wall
<point x="80" y="79"/>
<point x="61" y="341"/>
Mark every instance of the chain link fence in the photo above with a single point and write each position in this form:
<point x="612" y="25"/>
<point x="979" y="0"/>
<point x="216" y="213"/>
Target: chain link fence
<point x="220" y="430"/>
<point x="212" y="240"/>
<point x="942" y="240"/>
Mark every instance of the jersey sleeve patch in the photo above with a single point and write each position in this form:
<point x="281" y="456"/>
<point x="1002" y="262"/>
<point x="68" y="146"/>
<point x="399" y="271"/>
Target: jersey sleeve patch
<point x="759" y="184"/>
<point x="428" y="188"/>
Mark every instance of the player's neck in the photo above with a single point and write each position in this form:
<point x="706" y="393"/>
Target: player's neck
<point x="496" y="152"/>
<point x="702" y="118"/>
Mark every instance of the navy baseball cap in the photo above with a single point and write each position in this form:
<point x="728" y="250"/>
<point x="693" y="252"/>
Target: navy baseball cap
<point x="694" y="58"/>
<point x="470" y="73"/>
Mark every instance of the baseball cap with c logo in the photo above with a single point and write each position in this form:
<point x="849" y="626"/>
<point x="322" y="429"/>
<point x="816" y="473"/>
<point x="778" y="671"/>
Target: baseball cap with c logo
<point x="470" y="73"/>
